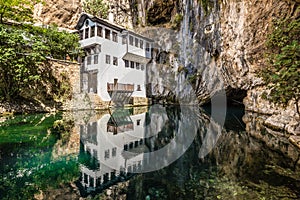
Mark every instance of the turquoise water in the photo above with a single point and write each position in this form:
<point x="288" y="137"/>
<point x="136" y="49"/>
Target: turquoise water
<point x="115" y="153"/>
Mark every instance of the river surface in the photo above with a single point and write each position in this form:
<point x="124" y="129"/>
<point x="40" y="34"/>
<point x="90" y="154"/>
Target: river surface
<point x="156" y="152"/>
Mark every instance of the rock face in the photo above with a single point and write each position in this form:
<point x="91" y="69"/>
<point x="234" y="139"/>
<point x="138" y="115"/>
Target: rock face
<point x="226" y="40"/>
<point x="161" y="12"/>
<point x="63" y="13"/>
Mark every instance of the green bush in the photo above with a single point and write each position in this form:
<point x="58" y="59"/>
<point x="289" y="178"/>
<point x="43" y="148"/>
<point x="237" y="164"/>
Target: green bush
<point x="283" y="54"/>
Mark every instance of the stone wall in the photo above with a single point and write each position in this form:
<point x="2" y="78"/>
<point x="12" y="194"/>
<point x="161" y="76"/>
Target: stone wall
<point x="43" y="99"/>
<point x="70" y="69"/>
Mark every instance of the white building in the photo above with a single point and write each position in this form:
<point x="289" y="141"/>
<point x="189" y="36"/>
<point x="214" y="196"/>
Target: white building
<point x="115" y="144"/>
<point x="115" y="62"/>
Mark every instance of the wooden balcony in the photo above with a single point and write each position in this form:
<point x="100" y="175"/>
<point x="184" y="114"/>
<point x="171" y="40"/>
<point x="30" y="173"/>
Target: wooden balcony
<point x="119" y="87"/>
<point x="113" y="128"/>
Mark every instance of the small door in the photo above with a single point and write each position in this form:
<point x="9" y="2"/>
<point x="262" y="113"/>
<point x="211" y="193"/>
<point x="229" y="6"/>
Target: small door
<point x="92" y="82"/>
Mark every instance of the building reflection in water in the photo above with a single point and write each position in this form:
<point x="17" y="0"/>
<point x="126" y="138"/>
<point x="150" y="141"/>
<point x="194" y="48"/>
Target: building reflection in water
<point x="125" y="141"/>
<point x="111" y="148"/>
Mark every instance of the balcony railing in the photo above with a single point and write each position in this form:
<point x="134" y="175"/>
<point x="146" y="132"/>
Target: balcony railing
<point x="111" y="87"/>
<point x="119" y="129"/>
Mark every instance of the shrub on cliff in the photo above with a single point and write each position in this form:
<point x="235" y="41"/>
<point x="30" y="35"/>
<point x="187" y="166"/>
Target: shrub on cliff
<point x="17" y="10"/>
<point x="283" y="70"/>
<point x="96" y="7"/>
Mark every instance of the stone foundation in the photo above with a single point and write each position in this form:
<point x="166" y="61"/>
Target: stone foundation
<point x="139" y="101"/>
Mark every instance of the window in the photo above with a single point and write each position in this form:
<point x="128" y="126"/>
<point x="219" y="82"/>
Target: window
<point x="141" y="44"/>
<point x="95" y="59"/>
<point x="136" y="143"/>
<point x="88" y="51"/>
<point x="86" y="34"/>
<point x="95" y="153"/>
<point x="142" y="67"/>
<point x="114" y="36"/>
<point x="129" y="169"/>
<point x="134" y="168"/>
<point x="81" y="34"/>
<point x="138" y="122"/>
<point x="115" y="61"/>
<point x="98" y="48"/>
<point x="130" y="145"/>
<point x="107" y="34"/>
<point x="107" y="59"/>
<point x="131" y="64"/>
<point x="114" y="152"/>
<point x="137" y="65"/>
<point x="85" y="178"/>
<point x="130" y="40"/>
<point x="136" y="42"/>
<point x="92" y="31"/>
<point x="138" y="88"/>
<point x="89" y="60"/>
<point x="126" y="63"/>
<point x="106" y="154"/>
<point x="98" y="181"/>
<point x="124" y="39"/>
<point x="126" y="147"/>
<point x="147" y="46"/>
<point x="99" y="31"/>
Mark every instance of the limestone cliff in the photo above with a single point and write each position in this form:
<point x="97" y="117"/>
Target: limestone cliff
<point x="221" y="44"/>
<point x="63" y="13"/>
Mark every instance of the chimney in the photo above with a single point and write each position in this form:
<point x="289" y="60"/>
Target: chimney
<point x="111" y="16"/>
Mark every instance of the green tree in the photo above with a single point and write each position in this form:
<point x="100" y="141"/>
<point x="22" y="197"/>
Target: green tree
<point x="96" y="7"/>
<point x="17" y="10"/>
<point x="23" y="58"/>
<point x="283" y="70"/>
<point x="20" y="57"/>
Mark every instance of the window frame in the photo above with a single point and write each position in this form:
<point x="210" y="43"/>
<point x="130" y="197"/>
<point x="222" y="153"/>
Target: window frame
<point x="142" y="44"/>
<point x="114" y="36"/>
<point x="107" y="59"/>
<point x="93" y="30"/>
<point x="81" y="34"/>
<point x="86" y="33"/>
<point x="96" y="59"/>
<point x="147" y="47"/>
<point x="115" y="61"/>
<point x="132" y="64"/>
<point x="124" y="39"/>
<point x="107" y="34"/>
<point x="89" y="60"/>
<point x="127" y="64"/>
<point x="131" y="40"/>
<point x="99" y="31"/>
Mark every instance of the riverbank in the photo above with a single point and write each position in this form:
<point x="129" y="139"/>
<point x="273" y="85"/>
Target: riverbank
<point x="279" y="118"/>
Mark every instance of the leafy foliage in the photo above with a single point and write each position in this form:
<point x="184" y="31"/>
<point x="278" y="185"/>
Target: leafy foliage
<point x="283" y="70"/>
<point x="20" y="57"/>
<point x="17" y="10"/>
<point x="96" y="7"/>
<point x="23" y="57"/>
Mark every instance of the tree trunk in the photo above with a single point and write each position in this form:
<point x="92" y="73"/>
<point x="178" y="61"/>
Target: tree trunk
<point x="297" y="99"/>
<point x="297" y="107"/>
